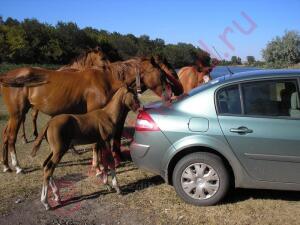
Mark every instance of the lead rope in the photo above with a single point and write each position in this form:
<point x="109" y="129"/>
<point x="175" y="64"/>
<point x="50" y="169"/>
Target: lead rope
<point x="138" y="83"/>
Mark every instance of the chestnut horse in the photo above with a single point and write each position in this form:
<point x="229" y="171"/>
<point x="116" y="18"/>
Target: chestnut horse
<point x="95" y="58"/>
<point x="97" y="126"/>
<point x="92" y="58"/>
<point x="73" y="92"/>
<point x="190" y="77"/>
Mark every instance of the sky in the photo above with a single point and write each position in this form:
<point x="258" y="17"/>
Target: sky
<point x="234" y="27"/>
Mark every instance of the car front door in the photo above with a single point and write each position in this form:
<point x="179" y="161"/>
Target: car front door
<point x="261" y="122"/>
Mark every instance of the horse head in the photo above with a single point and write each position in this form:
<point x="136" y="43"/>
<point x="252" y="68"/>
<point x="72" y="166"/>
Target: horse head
<point x="160" y="80"/>
<point x="172" y="76"/>
<point x="96" y="58"/>
<point x="131" y="100"/>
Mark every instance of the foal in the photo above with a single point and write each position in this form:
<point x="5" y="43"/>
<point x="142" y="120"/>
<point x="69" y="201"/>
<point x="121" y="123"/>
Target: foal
<point x="97" y="127"/>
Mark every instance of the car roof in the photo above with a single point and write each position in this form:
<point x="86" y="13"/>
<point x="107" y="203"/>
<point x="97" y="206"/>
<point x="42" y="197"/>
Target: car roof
<point x="255" y="74"/>
<point x="244" y="76"/>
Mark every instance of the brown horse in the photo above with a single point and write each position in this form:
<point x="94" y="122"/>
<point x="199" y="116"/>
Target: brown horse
<point x="199" y="73"/>
<point x="95" y="58"/>
<point x="92" y="58"/>
<point x="190" y="77"/>
<point x="73" y="92"/>
<point x="97" y="126"/>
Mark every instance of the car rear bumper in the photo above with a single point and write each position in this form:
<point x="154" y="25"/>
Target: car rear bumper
<point x="148" y="149"/>
<point x="139" y="150"/>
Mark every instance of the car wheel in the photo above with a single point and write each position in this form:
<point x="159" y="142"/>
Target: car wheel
<point x="201" y="179"/>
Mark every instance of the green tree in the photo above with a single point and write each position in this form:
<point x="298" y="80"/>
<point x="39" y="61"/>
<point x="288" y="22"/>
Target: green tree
<point x="179" y="55"/>
<point x="30" y="41"/>
<point x="235" y="60"/>
<point x="16" y="43"/>
<point x="283" y="51"/>
<point x="250" y="59"/>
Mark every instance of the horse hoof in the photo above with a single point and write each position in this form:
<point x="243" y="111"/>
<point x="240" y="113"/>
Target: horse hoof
<point x="57" y="199"/>
<point x="19" y="170"/>
<point x="118" y="191"/>
<point x="7" y="170"/>
<point x="108" y="188"/>
<point x="99" y="174"/>
<point x="59" y="202"/>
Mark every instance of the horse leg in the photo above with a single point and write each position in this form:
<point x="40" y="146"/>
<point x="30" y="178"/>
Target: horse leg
<point x="117" y="139"/>
<point x="49" y="167"/>
<point x="6" y="167"/>
<point x="34" y="114"/>
<point x="44" y="195"/>
<point x="95" y="161"/>
<point x="13" y="127"/>
<point x="115" y="181"/>
<point x="101" y="171"/>
<point x="108" y="162"/>
<point x="24" y="138"/>
<point x="55" y="190"/>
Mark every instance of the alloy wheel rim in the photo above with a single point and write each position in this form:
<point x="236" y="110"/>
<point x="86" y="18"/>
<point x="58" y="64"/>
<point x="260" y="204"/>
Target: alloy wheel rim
<point x="200" y="181"/>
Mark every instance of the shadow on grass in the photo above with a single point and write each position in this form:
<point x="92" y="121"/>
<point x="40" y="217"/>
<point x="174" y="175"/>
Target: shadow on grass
<point x="31" y="169"/>
<point x="127" y="170"/>
<point x="78" y="199"/>
<point x="142" y="184"/>
<point x="127" y="189"/>
<point x="81" y="162"/>
<point x="240" y="195"/>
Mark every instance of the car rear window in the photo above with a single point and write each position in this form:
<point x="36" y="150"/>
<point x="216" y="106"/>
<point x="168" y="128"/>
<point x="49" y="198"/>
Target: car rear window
<point x="228" y="100"/>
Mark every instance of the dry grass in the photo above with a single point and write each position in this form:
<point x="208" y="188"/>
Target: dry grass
<point x="145" y="200"/>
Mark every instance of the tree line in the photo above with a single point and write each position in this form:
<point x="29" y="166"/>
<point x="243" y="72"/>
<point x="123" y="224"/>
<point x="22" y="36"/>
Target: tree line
<point x="280" y="52"/>
<point x="30" y="41"/>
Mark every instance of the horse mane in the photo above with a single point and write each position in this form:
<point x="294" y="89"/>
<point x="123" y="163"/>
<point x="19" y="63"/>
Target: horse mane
<point x="122" y="68"/>
<point x="82" y="59"/>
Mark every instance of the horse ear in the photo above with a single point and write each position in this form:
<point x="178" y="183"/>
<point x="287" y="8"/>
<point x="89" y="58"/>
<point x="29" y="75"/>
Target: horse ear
<point x="97" y="48"/>
<point x="152" y="60"/>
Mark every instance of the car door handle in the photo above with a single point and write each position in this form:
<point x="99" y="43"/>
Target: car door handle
<point x="241" y="130"/>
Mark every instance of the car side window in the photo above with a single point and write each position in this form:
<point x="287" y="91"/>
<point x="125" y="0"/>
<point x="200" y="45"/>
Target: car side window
<point x="228" y="100"/>
<point x="271" y="98"/>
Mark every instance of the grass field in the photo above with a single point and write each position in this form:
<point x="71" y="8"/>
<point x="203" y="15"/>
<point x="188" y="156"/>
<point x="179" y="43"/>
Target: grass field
<point x="146" y="199"/>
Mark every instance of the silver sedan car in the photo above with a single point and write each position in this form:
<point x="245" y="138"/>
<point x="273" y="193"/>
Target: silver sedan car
<point x="240" y="130"/>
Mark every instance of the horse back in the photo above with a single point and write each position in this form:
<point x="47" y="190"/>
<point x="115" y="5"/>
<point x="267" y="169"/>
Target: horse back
<point x="70" y="92"/>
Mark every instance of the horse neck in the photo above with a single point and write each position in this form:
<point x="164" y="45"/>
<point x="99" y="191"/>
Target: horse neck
<point x="126" y="71"/>
<point x="82" y="63"/>
<point x="116" y="106"/>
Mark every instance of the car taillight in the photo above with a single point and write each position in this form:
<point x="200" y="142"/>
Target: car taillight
<point x="144" y="122"/>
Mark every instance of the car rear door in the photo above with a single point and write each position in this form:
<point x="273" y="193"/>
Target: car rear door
<point x="261" y="122"/>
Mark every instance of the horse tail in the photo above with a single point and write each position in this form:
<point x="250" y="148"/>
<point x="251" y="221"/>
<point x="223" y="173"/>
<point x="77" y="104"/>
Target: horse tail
<point x="29" y="80"/>
<point x="38" y="141"/>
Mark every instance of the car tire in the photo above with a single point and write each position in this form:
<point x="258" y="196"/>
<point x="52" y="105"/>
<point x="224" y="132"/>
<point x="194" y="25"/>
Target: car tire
<point x="213" y="183"/>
